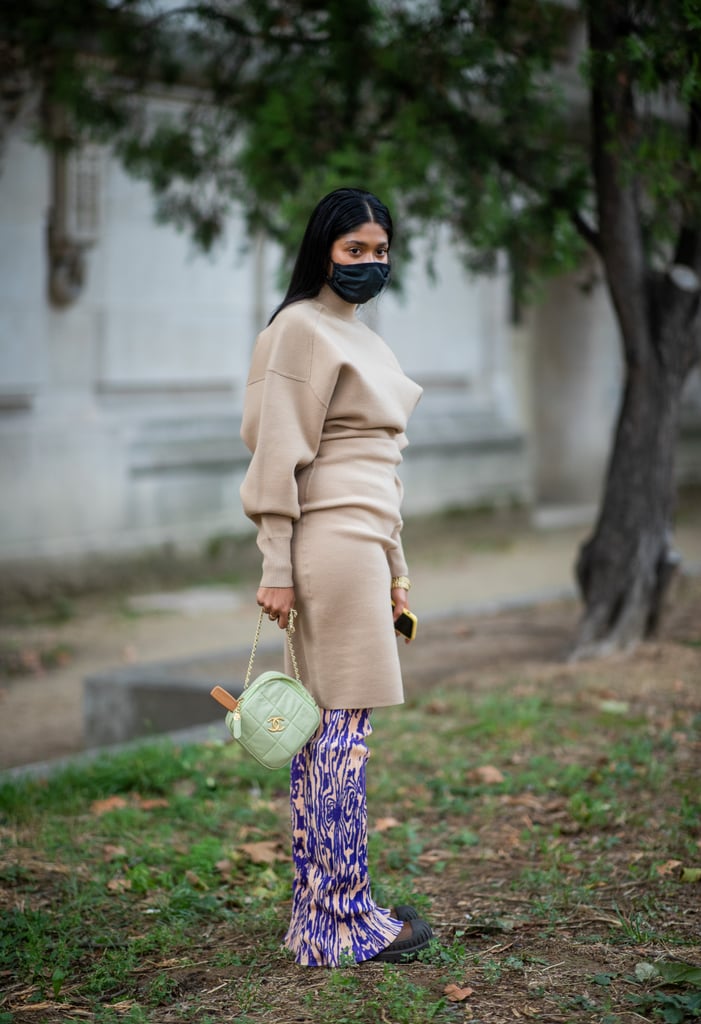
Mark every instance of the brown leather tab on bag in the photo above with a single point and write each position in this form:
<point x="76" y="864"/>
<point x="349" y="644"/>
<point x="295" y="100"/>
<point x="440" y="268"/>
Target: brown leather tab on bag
<point x="224" y="698"/>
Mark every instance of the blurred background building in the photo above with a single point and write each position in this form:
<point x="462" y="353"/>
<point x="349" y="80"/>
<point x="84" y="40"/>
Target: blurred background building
<point x="124" y="354"/>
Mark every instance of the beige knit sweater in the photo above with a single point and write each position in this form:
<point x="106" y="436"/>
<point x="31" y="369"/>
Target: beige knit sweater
<point x="317" y="373"/>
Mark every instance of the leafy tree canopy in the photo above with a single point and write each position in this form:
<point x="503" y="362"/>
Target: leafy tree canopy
<point x="473" y="114"/>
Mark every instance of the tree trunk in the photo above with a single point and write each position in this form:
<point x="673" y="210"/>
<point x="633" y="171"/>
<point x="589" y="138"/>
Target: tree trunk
<point x="624" y="568"/>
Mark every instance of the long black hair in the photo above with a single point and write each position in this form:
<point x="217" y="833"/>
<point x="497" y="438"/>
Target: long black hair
<point x="334" y="215"/>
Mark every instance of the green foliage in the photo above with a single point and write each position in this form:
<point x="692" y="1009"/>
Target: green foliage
<point x="674" y="1007"/>
<point x="466" y="113"/>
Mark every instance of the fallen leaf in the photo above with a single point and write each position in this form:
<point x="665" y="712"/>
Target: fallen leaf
<point x="556" y="804"/>
<point x="193" y="879"/>
<point x="691" y="875"/>
<point x="646" y="972"/>
<point x="455" y="994"/>
<point x="152" y="803"/>
<point x="522" y="800"/>
<point x="488" y="774"/>
<point x="267" y="883"/>
<point x="118" y="884"/>
<point x="614" y="707"/>
<point x="111" y="852"/>
<point x="668" y="868"/>
<point x="264" y="852"/>
<point x="224" y="869"/>
<point x="110" y="803"/>
<point x="678" y="973"/>
<point x="437" y="707"/>
<point x="383" y="824"/>
<point x="433" y="857"/>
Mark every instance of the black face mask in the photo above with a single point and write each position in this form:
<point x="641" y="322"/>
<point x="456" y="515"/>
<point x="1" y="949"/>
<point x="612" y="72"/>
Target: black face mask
<point x="358" y="282"/>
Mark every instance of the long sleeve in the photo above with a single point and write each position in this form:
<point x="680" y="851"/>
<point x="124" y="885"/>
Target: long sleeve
<point x="285" y="407"/>
<point x="395" y="555"/>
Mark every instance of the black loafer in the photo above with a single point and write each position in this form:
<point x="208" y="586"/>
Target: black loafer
<point x="403" y="912"/>
<point x="401" y="951"/>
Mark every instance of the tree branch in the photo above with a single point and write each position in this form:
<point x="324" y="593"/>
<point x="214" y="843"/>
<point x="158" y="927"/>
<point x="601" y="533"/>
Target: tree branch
<point x="613" y="122"/>
<point x="688" y="248"/>
<point x="209" y="13"/>
<point x="590" y="235"/>
<point x="556" y="196"/>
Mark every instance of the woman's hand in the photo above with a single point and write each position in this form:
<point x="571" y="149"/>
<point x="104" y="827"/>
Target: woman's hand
<point x="277" y="601"/>
<point x="401" y="603"/>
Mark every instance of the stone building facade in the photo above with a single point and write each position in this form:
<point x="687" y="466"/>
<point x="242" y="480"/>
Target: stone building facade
<point x="122" y="375"/>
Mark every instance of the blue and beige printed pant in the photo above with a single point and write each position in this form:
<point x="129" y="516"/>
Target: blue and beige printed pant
<point x="333" y="914"/>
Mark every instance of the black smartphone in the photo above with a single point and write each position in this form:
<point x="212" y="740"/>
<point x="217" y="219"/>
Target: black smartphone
<point x="406" y="624"/>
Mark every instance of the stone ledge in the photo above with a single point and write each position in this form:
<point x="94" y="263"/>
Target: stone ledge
<point x="212" y="732"/>
<point x="164" y="696"/>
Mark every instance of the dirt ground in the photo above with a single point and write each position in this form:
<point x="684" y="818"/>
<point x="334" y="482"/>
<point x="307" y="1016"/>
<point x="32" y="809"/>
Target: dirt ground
<point x="537" y="971"/>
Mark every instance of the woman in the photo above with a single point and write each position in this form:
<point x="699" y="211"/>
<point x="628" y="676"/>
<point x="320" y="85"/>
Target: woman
<point x="325" y="411"/>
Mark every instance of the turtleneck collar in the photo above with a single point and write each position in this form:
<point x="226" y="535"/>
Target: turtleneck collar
<point x="335" y="304"/>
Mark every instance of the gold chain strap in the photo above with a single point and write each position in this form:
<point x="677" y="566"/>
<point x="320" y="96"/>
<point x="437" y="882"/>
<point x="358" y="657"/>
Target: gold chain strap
<point x="289" y="631"/>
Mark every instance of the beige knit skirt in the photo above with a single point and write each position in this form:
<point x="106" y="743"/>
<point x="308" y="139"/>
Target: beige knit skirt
<point x="345" y="640"/>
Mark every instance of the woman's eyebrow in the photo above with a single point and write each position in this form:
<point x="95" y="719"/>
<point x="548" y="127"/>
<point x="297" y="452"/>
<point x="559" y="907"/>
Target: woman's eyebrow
<point x="369" y="245"/>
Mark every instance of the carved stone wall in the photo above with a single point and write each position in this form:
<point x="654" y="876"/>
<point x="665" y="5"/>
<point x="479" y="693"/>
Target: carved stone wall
<point x="119" y="413"/>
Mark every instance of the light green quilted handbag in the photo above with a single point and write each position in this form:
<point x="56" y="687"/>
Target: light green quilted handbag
<point x="274" y="716"/>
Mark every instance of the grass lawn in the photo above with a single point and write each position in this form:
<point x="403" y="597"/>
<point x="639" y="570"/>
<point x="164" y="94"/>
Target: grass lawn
<point x="546" y="821"/>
